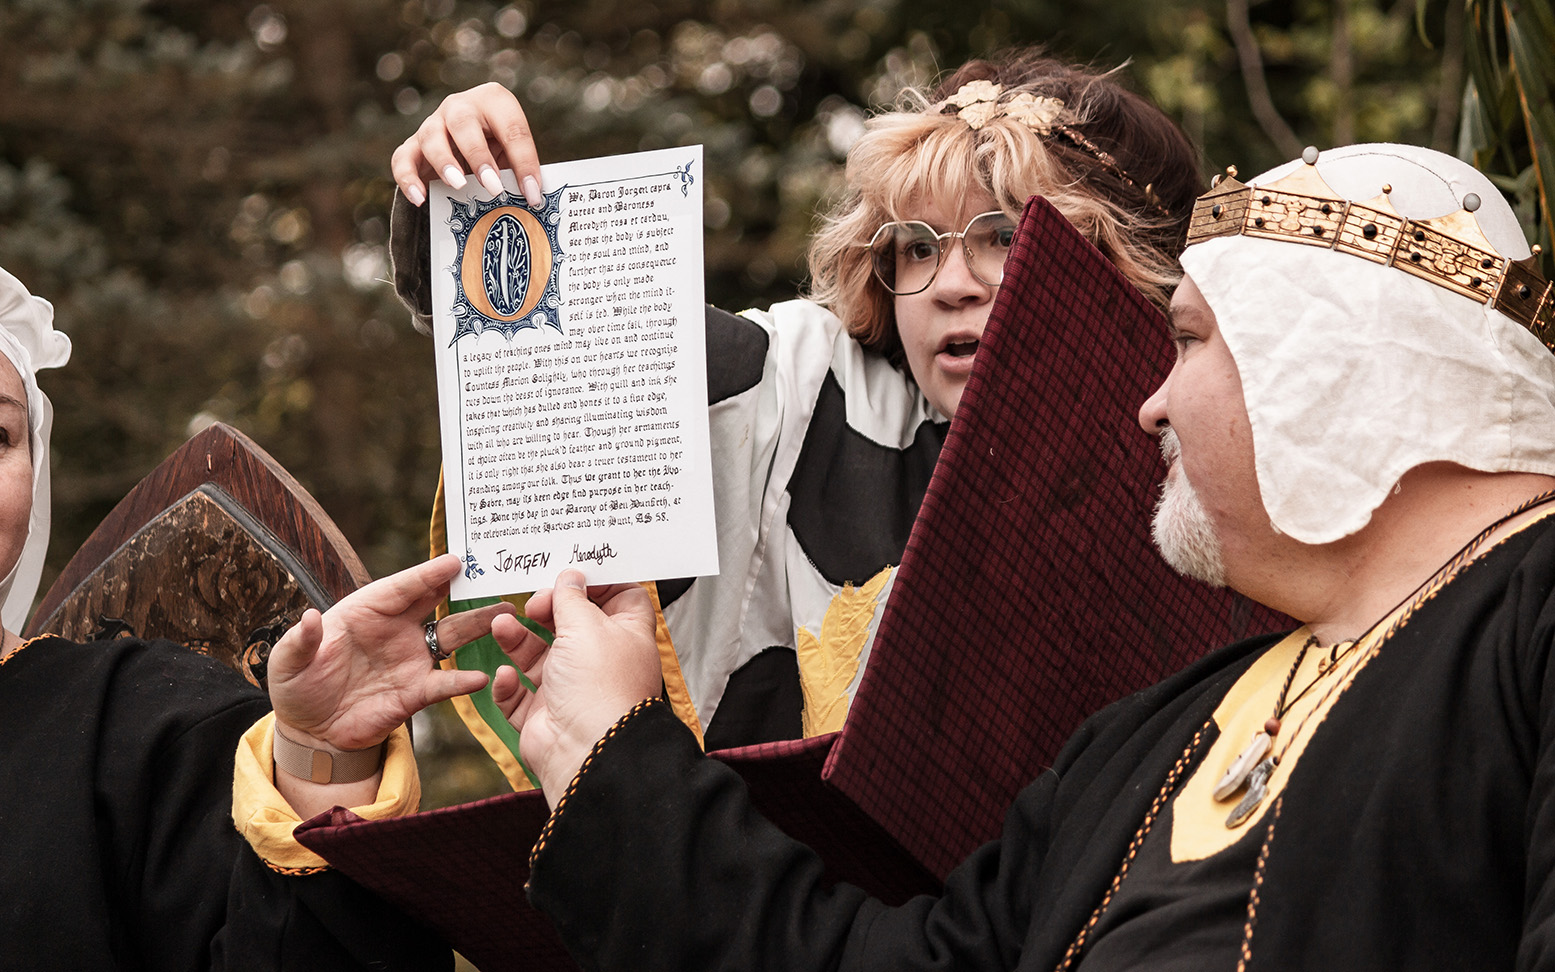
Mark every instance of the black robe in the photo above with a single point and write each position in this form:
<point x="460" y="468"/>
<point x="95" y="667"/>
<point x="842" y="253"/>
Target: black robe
<point x="119" y="849"/>
<point x="1417" y="831"/>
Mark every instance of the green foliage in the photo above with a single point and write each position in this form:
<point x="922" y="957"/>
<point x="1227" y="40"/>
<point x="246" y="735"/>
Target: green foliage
<point x="1508" y="127"/>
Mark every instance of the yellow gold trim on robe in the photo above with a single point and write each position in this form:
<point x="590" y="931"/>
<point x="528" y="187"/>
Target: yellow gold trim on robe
<point x="464" y="706"/>
<point x="266" y="820"/>
<point x="1199" y="820"/>
<point x="495" y="747"/>
<point x="828" y="664"/>
<point x="675" y="691"/>
<point x="437" y="531"/>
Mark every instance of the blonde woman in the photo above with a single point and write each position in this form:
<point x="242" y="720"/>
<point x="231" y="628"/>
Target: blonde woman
<point x="827" y="413"/>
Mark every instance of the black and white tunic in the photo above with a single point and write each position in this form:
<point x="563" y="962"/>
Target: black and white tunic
<point x="822" y="452"/>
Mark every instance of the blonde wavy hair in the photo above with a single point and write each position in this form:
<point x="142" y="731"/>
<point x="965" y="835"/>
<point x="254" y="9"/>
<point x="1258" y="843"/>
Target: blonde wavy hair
<point x="1129" y="188"/>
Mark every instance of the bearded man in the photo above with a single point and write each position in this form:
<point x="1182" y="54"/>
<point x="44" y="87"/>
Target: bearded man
<point x="1360" y="431"/>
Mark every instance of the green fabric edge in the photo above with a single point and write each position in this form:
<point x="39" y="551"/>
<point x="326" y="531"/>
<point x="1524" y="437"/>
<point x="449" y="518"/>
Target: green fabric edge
<point x="483" y="655"/>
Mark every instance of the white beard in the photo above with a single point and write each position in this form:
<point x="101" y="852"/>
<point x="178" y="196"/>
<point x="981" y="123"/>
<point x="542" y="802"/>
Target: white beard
<point x="1181" y="527"/>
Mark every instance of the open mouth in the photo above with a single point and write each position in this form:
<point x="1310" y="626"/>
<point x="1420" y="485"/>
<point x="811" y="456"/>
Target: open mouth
<point x="961" y="349"/>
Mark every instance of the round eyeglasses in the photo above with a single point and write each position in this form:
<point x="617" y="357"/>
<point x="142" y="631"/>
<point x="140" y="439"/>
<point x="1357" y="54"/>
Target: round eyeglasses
<point x="908" y="253"/>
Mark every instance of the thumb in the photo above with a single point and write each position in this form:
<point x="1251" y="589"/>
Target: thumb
<point x="570" y="604"/>
<point x="300" y="643"/>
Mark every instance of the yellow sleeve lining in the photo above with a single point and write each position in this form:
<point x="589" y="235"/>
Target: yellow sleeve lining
<point x="266" y="820"/>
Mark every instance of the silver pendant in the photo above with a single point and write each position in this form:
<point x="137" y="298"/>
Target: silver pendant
<point x="1242" y="767"/>
<point x="1257" y="789"/>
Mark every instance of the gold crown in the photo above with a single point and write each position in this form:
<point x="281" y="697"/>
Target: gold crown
<point x="1449" y="251"/>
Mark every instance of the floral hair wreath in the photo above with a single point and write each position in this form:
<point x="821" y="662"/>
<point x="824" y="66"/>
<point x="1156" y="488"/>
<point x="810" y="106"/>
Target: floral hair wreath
<point x="979" y="102"/>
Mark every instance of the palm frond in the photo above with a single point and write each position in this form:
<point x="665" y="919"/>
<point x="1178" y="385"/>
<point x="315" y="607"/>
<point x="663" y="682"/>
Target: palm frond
<point x="1507" y="125"/>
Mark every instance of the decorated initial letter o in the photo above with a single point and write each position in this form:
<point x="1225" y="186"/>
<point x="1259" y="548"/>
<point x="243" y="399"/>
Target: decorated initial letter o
<point x="506" y="264"/>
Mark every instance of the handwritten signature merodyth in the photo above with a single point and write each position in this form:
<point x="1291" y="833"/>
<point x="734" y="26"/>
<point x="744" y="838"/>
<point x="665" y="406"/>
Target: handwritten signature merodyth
<point x="599" y="553"/>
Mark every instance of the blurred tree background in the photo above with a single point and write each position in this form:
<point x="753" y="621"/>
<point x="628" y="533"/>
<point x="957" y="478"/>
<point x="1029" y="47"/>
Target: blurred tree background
<point x="202" y="187"/>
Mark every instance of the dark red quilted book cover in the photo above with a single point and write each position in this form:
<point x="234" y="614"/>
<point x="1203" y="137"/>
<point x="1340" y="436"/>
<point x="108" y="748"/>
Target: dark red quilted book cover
<point x="461" y="870"/>
<point x="1029" y="597"/>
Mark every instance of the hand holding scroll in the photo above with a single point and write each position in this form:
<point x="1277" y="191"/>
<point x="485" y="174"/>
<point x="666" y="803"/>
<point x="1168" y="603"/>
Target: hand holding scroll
<point x="604" y="661"/>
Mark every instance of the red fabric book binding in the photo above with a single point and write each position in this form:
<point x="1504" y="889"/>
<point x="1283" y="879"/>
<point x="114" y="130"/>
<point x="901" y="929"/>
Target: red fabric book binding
<point x="1030" y="595"/>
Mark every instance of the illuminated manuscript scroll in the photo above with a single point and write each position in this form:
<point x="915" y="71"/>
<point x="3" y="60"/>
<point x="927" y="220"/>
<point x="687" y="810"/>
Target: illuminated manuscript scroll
<point x="571" y="374"/>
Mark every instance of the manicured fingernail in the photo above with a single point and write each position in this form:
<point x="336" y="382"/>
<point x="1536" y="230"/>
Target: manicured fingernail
<point x="415" y="195"/>
<point x="453" y="177"/>
<point x="490" y="180"/>
<point x="532" y="193"/>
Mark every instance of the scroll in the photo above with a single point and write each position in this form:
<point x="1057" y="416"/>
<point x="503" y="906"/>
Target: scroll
<point x="571" y="374"/>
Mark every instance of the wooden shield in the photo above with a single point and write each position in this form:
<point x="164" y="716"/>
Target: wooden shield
<point x="218" y="548"/>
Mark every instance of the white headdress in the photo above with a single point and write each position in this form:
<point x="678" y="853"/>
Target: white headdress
<point x="28" y="340"/>
<point x="1402" y="333"/>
